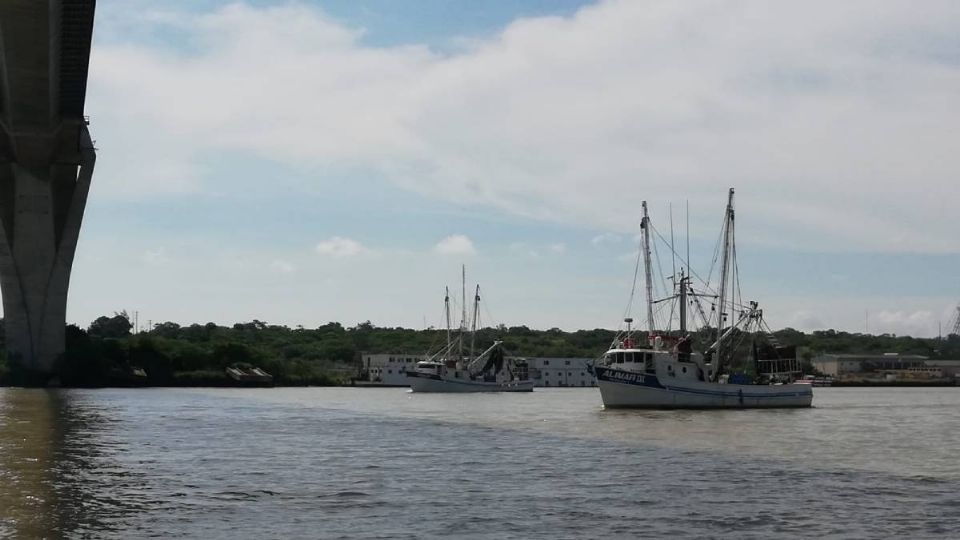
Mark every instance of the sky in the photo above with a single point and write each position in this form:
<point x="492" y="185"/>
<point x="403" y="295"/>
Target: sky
<point x="314" y="161"/>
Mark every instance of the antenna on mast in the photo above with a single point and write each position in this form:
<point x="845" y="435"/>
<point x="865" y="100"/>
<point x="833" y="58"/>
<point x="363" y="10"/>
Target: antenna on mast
<point x="688" y="236"/>
<point x="673" y="251"/>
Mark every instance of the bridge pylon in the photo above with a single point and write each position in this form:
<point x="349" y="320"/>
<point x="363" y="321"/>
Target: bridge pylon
<point x="46" y="165"/>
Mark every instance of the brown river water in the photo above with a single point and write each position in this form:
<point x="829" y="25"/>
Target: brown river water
<point x="385" y="463"/>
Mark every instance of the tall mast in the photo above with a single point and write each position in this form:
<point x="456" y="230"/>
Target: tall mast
<point x="446" y="308"/>
<point x="476" y="313"/>
<point x="683" y="303"/>
<point x="724" y="275"/>
<point x="463" y="304"/>
<point x="645" y="225"/>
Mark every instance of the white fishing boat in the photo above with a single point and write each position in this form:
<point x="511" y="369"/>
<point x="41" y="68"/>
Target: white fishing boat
<point x="455" y="367"/>
<point x="658" y="369"/>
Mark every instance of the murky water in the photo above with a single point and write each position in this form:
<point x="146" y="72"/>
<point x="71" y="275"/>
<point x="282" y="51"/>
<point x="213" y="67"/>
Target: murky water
<point x="384" y="463"/>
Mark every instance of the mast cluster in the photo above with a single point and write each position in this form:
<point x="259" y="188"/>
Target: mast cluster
<point x="466" y="325"/>
<point x="726" y="304"/>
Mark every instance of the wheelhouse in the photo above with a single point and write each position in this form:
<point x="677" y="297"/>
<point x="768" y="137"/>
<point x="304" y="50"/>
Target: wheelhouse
<point x="631" y="359"/>
<point x="429" y="367"/>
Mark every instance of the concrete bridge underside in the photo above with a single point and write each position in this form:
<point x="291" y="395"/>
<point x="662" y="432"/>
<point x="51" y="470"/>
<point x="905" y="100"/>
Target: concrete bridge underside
<point x="46" y="164"/>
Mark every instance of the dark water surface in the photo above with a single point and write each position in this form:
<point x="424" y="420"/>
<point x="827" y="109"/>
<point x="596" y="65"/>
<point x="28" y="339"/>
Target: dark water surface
<point x="384" y="463"/>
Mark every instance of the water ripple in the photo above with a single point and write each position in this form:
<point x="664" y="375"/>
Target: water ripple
<point x="354" y="463"/>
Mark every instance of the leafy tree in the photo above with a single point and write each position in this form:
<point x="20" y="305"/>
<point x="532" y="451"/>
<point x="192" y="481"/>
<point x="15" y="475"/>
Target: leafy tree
<point x="117" y="326"/>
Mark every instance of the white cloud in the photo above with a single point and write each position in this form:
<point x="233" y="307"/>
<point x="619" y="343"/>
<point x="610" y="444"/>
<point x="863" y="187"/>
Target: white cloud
<point x="456" y="244"/>
<point x="835" y="121"/>
<point x="911" y="323"/>
<point x="630" y="256"/>
<point x="339" y="248"/>
<point x="804" y="320"/>
<point x="917" y="316"/>
<point x="155" y="257"/>
<point x="605" y="238"/>
<point x="282" y="267"/>
<point x="557" y="248"/>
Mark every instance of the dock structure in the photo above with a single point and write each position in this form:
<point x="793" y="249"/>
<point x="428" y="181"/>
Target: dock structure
<point x="46" y="165"/>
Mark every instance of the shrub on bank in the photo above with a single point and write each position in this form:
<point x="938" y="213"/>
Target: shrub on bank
<point x="207" y="377"/>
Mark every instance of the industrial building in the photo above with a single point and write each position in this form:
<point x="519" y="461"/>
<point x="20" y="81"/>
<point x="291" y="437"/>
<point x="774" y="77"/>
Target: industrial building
<point x="885" y="367"/>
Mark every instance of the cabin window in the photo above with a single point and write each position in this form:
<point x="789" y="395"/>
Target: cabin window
<point x="684" y="369"/>
<point x="546" y="362"/>
<point x="567" y="362"/>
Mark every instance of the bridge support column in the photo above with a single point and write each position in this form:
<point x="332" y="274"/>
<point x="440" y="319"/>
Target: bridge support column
<point x="43" y="192"/>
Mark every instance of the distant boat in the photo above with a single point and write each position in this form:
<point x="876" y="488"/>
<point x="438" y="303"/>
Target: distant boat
<point x="455" y="368"/>
<point x="666" y="373"/>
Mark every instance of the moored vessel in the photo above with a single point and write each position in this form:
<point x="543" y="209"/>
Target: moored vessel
<point x="455" y="367"/>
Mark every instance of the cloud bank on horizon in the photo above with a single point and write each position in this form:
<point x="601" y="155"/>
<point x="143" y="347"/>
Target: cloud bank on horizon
<point x="837" y="123"/>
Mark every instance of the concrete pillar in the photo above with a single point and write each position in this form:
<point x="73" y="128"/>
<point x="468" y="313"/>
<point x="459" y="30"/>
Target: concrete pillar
<point x="42" y="207"/>
<point x="46" y="163"/>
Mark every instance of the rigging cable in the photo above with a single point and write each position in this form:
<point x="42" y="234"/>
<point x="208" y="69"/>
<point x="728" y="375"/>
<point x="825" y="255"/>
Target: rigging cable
<point x="663" y="280"/>
<point x="633" y="289"/>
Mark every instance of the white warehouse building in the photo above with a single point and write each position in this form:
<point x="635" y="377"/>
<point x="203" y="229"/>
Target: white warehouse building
<point x="390" y="370"/>
<point x="560" y="372"/>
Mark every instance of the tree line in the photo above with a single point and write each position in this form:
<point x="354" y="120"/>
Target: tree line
<point x="107" y="352"/>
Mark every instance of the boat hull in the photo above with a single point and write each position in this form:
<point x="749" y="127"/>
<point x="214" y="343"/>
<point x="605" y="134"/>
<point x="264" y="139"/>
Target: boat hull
<point x="427" y="383"/>
<point x="626" y="389"/>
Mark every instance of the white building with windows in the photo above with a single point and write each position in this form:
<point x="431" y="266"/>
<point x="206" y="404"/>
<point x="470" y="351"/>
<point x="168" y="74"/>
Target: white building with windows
<point x="390" y="370"/>
<point x="561" y="372"/>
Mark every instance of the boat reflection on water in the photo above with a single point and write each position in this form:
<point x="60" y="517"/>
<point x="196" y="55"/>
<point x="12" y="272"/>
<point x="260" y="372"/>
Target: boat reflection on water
<point x="46" y="464"/>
